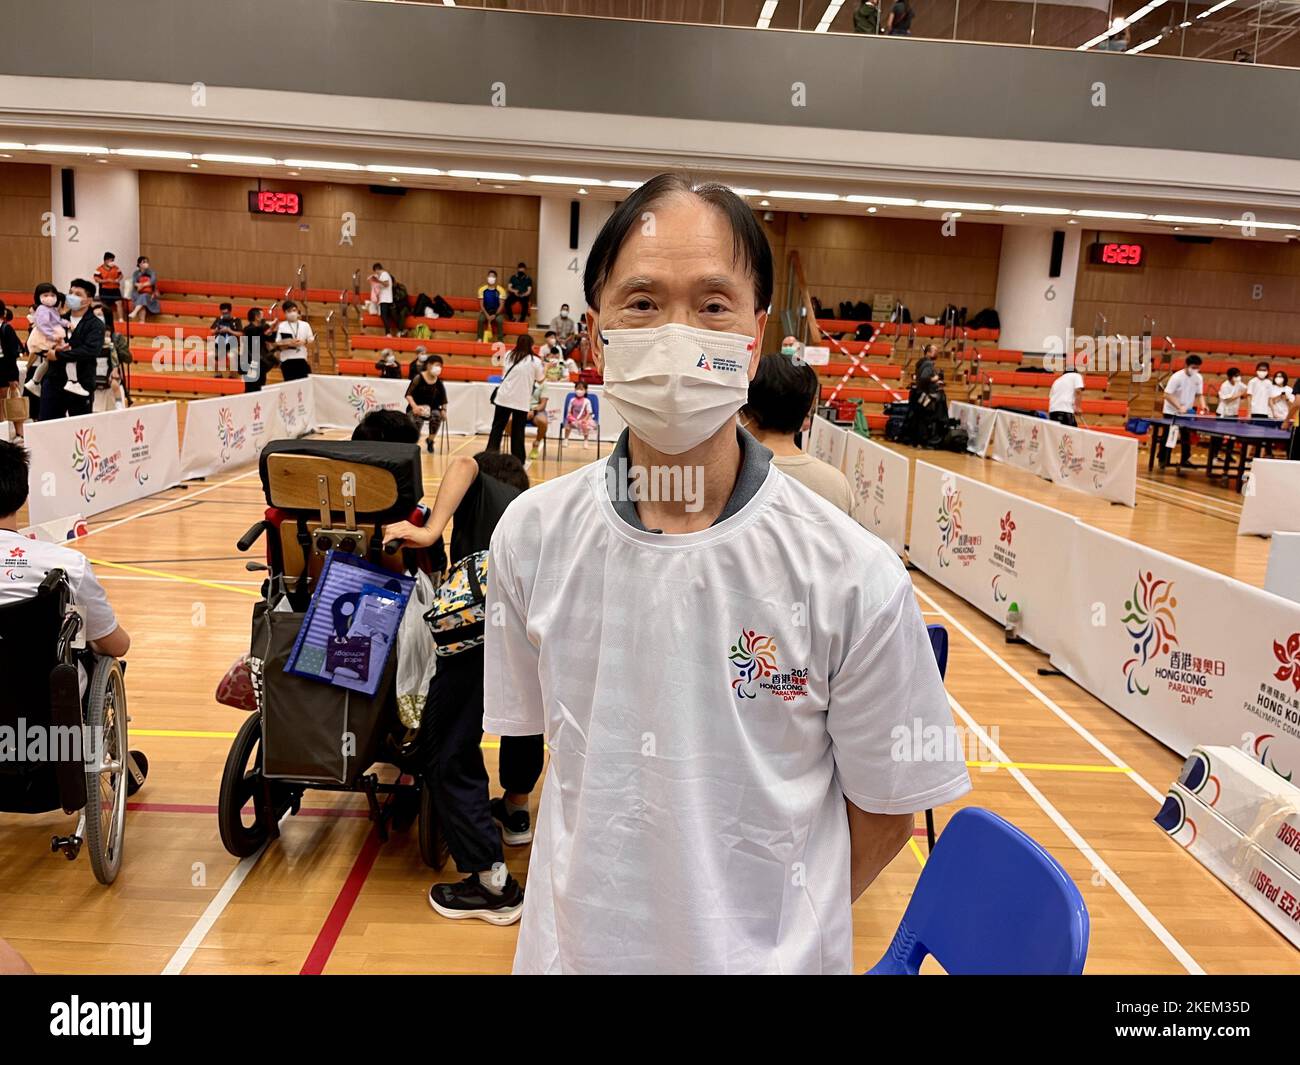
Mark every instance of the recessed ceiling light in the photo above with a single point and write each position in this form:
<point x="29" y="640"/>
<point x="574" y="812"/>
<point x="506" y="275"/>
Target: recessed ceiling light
<point x="293" y="173"/>
<point x="781" y="194"/>
<point x="194" y="166"/>
<point x="320" y="164"/>
<point x="240" y="160"/>
<point x="582" y="192"/>
<point x="764" y="203"/>
<point x="871" y="210"/>
<point x="884" y="201"/>
<point x="1011" y="208"/>
<point x="150" y="153"/>
<point x="746" y="192"/>
<point x="414" y="170"/>
<point x="71" y="149"/>
<point x="485" y="175"/>
<point x="956" y="205"/>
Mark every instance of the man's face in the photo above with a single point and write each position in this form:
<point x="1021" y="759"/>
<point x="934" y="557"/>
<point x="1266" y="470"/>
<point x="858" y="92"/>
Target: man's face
<point x="683" y="271"/>
<point x="77" y="290"/>
<point x="492" y="279"/>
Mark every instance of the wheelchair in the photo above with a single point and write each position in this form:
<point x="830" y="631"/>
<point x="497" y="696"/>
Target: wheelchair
<point x="324" y="496"/>
<point x="83" y="765"/>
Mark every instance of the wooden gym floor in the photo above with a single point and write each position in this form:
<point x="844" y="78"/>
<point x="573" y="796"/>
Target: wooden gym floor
<point x="327" y="897"/>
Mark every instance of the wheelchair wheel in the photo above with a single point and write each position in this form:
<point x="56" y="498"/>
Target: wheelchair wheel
<point x="241" y="783"/>
<point x="433" y="845"/>
<point x="106" y="770"/>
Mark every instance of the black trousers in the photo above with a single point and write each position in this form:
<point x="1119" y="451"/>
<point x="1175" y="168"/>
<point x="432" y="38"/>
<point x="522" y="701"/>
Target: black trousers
<point x="1064" y="417"/>
<point x="1184" y="449"/>
<point x="522" y="301"/>
<point x="454" y="763"/>
<point x="388" y="315"/>
<point x="518" y="422"/>
<point x="295" y="369"/>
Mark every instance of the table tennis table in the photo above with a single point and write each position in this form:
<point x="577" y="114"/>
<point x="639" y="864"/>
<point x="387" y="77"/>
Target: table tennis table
<point x="1254" y="435"/>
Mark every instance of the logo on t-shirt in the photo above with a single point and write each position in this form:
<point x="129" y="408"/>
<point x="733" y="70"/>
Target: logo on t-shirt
<point x="754" y="658"/>
<point x="16" y="563"/>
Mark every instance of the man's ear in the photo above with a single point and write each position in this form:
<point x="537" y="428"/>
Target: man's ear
<point x="757" y="354"/>
<point x="593" y="337"/>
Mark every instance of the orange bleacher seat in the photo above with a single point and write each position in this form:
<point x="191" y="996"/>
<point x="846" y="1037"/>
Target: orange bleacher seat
<point x="185" y="382"/>
<point x="863" y="370"/>
<point x="867" y="395"/>
<point x="1086" y="406"/>
<point x="434" y="345"/>
<point x="862" y="347"/>
<point x="998" y="355"/>
<point x="446" y="325"/>
<point x="1034" y="380"/>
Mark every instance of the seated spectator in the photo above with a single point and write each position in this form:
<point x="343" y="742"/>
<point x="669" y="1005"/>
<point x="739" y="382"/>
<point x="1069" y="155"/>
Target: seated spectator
<point x="387" y="426"/>
<point x="580" y="415"/>
<point x="144" y="289"/>
<point x="388" y="366"/>
<point x="418" y="363"/>
<point x="564" y="327"/>
<point x="782" y="396"/>
<point x="521" y="293"/>
<point x="551" y="347"/>
<point x="108" y="276"/>
<point x="426" y="398"/>
<point x="30" y="561"/>
<point x="226" y="329"/>
<point x="491" y="301"/>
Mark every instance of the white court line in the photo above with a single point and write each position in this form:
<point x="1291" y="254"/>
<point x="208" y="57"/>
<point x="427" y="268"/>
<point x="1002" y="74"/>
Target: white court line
<point x="161" y="506"/>
<point x="1207" y="508"/>
<point x="215" y="908"/>
<point x="1033" y="690"/>
<point x="1085" y="848"/>
<point x="1155" y="482"/>
<point x="167" y="580"/>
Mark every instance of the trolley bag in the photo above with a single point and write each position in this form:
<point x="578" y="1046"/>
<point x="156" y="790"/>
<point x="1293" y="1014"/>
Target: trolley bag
<point x="311" y="731"/>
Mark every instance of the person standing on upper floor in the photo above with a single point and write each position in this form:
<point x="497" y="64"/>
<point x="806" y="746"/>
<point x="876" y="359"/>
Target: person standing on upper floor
<point x="866" y="18"/>
<point x="781" y="400"/>
<point x="144" y="289"/>
<point x="899" y="21"/>
<point x="1231" y="392"/>
<point x="719" y="658"/>
<point x="564" y="327"/>
<point x="521" y="294"/>
<point x="381" y="286"/>
<point x="292" y="338"/>
<point x="491" y="305"/>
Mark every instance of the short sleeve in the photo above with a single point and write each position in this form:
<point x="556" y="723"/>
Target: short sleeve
<point x="88" y="594"/>
<point x="310" y="335"/>
<point x="512" y="689"/>
<point x="887" y="710"/>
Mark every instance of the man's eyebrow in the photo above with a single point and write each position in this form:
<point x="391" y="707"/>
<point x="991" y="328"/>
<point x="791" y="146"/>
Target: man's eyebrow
<point x="632" y="284"/>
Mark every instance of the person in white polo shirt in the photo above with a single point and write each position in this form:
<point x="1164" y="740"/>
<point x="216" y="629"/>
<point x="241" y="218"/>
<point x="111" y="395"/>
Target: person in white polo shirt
<point x="725" y="665"/>
<point x="1063" y="399"/>
<point x="292" y="336"/>
<point x="26" y="563"/>
<point x="1184" y="394"/>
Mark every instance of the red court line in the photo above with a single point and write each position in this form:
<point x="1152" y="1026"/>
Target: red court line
<point x="197" y="808"/>
<point x="342" y="909"/>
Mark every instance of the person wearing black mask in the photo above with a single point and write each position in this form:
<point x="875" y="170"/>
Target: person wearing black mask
<point x="68" y="387"/>
<point x="257" y="356"/>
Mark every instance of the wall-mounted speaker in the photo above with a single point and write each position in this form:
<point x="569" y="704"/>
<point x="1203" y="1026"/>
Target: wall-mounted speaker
<point x="68" y="177"/>
<point x="574" y="211"/>
<point x="1058" y="253"/>
<point x="388" y="190"/>
<point x="1191" y="238"/>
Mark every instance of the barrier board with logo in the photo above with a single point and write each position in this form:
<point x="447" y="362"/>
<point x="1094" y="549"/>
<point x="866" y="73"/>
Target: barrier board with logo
<point x="1188" y="655"/>
<point x="92" y="463"/>
<point x="826" y="441"/>
<point x="341" y="402"/>
<point x="878" y="480"/>
<point x="1271" y="501"/>
<point x="978" y="423"/>
<point x="230" y="431"/>
<point x="1099" y="464"/>
<point x="992" y="548"/>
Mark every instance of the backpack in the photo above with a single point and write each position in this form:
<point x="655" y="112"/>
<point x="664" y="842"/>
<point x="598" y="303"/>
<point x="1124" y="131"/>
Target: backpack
<point x="401" y="298"/>
<point x="459" y="608"/>
<point x="442" y="308"/>
<point x="421" y="332"/>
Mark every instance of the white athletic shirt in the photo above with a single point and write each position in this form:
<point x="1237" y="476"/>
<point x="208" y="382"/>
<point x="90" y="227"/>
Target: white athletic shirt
<point x="692" y="818"/>
<point x="1230" y="399"/>
<point x="299" y="331"/>
<point x="1064" y="389"/>
<point x="1261" y="391"/>
<point x="25" y="563"/>
<point x="1280" y="402"/>
<point x="385" y="286"/>
<point x="1185" y="388"/>
<point x="516" y="388"/>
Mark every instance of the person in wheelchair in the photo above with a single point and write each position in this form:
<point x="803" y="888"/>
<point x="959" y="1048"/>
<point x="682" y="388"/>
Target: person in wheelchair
<point x="26" y="563"/>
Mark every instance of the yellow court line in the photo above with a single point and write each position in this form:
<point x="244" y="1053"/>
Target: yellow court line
<point x="186" y="734"/>
<point x="916" y="850"/>
<point x="1056" y="767"/>
<point x="176" y="577"/>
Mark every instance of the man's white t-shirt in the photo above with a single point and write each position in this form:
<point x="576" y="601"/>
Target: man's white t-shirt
<point x="516" y="388"/>
<point x="1184" y="387"/>
<point x="25" y="563"/>
<point x="385" y="286"/>
<point x="1064" y="389"/>
<point x="1230" y="399"/>
<point x="709" y="700"/>
<point x="300" y="332"/>
<point x="1261" y="391"/>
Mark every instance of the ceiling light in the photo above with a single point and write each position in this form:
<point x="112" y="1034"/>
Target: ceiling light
<point x="320" y="164"/>
<point x="625" y="184"/>
<point x="786" y="195"/>
<point x="871" y="210"/>
<point x="1112" y="214"/>
<point x="239" y="160"/>
<point x="12" y="146"/>
<point x="194" y="166"/>
<point x="582" y="192"/>
<point x="765" y="203"/>
<point x="1188" y="220"/>
<point x="1011" y="208"/>
<point x="553" y="179"/>
<point x="150" y="153"/>
<point x="765" y="16"/>
<point x="747" y="192"/>
<point x="427" y="171"/>
<point x="953" y="205"/>
<point x="885" y="201"/>
<point x="1145" y="45"/>
<point x="70" y="149"/>
<point x="485" y="175"/>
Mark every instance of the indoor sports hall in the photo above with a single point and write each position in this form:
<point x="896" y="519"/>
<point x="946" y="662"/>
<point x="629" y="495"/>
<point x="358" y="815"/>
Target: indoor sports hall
<point x="630" y="486"/>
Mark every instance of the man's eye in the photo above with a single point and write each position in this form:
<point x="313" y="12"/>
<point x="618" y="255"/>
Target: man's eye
<point x="642" y="304"/>
<point x="715" y="307"/>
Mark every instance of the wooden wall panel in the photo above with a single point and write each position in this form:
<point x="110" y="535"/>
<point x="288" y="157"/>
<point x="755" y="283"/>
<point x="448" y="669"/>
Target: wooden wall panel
<point x="1196" y="290"/>
<point x="198" y="227"/>
<point x="24" y="197"/>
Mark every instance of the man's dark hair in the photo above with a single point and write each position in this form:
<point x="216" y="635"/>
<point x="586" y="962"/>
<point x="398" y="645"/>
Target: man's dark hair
<point x="435" y="358"/>
<point x="551" y="333"/>
<point x="88" y="287"/>
<point x="387" y="426"/>
<point x="109" y="255"/>
<point x="13" y="477"/>
<point x="503" y="467"/>
<point x="224" y="307"/>
<point x="749" y="241"/>
<point x="253" y="313"/>
<point x="377" y="266"/>
<point x="781" y="395"/>
<point x="1233" y="372"/>
<point x="522" y="266"/>
<point x="288" y="305"/>
<point x="1193" y="360"/>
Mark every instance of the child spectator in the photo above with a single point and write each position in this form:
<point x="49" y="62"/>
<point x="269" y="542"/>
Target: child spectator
<point x="491" y="298"/>
<point x="580" y="416"/>
<point x="48" y="334"/>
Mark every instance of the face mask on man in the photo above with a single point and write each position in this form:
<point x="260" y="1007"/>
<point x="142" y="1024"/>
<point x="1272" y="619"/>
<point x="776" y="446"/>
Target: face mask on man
<point x="675" y="385"/>
<point x="291" y="316"/>
<point x="1261" y="374"/>
<point x="74" y="303"/>
<point x="564" y="314"/>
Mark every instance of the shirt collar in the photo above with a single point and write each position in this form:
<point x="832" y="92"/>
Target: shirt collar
<point x="754" y="462"/>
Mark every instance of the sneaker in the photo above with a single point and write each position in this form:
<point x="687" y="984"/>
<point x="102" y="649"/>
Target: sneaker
<point x="468" y="898"/>
<point x="532" y="455"/>
<point x="34" y="387"/>
<point x="428" y="444"/>
<point x="516" y="826"/>
<point x="75" y="389"/>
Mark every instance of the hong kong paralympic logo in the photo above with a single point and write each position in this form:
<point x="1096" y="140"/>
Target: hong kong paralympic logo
<point x="1150" y="623"/>
<point x="85" y="461"/>
<point x="362" y="399"/>
<point x="754" y="657"/>
<point x="949" y="522"/>
<point x="1008" y="528"/>
<point x="1289" y="655"/>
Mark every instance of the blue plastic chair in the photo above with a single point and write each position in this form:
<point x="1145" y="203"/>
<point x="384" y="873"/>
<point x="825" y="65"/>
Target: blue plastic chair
<point x="990" y="901"/>
<point x="595" y="415"/>
<point x="939" y="643"/>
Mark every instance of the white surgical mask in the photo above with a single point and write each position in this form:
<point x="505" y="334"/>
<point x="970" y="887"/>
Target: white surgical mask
<point x="435" y="369"/>
<point x="291" y="316"/>
<point x="1261" y="374"/>
<point x="676" y="385"/>
<point x="74" y="302"/>
<point x="564" y="314"/>
<point x="1279" y="380"/>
